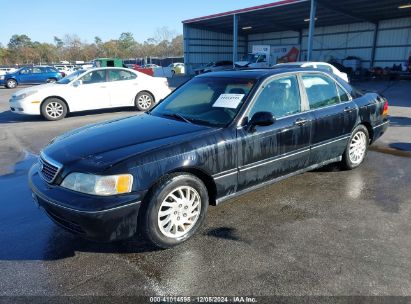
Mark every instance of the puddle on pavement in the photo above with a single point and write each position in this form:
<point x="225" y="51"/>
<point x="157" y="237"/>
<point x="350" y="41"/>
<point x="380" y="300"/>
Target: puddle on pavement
<point x="21" y="166"/>
<point x="25" y="231"/>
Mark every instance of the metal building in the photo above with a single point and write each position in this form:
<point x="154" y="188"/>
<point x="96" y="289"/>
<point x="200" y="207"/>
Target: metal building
<point x="378" y="31"/>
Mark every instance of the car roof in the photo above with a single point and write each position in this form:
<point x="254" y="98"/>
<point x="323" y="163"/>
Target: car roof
<point x="255" y="73"/>
<point x="302" y="62"/>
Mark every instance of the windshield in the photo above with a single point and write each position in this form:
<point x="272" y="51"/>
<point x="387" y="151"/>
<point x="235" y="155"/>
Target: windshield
<point x="70" y="77"/>
<point x="210" y="101"/>
<point x="254" y="58"/>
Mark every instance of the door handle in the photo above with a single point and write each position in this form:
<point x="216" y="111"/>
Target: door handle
<point x="348" y="109"/>
<point x="300" y="122"/>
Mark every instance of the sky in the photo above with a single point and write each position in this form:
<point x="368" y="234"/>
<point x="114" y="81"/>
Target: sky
<point x="41" y="20"/>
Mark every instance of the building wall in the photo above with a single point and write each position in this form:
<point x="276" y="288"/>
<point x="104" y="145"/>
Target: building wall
<point x="202" y="46"/>
<point x="393" y="45"/>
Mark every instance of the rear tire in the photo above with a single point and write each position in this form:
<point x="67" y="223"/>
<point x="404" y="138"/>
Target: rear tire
<point x="357" y="148"/>
<point x="11" y="84"/>
<point x="144" y="101"/>
<point x="51" y="80"/>
<point x="174" y="210"/>
<point x="53" y="109"/>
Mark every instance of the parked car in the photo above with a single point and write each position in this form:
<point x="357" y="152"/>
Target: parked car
<point x="30" y="75"/>
<point x="151" y="66"/>
<point x="3" y="71"/>
<point x="219" y="135"/>
<point x="315" y="65"/>
<point x="177" y="68"/>
<point x="64" y="69"/>
<point x="215" y="66"/>
<point x="92" y="89"/>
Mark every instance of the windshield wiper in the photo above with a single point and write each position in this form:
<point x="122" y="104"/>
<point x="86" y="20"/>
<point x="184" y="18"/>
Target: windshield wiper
<point x="178" y="116"/>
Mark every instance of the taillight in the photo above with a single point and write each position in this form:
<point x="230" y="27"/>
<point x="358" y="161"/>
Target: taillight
<point x="385" y="108"/>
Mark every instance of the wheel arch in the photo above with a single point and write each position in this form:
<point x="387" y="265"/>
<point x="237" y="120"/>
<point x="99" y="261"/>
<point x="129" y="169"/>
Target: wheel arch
<point x="57" y="97"/>
<point x="199" y="173"/>
<point x="12" y="78"/>
<point x="369" y="129"/>
<point x="146" y="91"/>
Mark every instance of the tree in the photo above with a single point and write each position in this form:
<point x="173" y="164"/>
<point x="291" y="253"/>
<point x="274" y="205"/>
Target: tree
<point x="58" y="42"/>
<point x="22" y="50"/>
<point x="126" y="43"/>
<point x="177" y="46"/>
<point x="97" y="40"/>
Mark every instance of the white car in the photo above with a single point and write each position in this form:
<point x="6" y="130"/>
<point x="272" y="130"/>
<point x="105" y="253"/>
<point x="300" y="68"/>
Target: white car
<point x="316" y="65"/>
<point x="97" y="88"/>
<point x="3" y="71"/>
<point x="66" y="69"/>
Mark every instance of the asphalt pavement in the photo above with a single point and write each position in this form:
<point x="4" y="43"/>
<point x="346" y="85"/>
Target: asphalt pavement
<point x="326" y="232"/>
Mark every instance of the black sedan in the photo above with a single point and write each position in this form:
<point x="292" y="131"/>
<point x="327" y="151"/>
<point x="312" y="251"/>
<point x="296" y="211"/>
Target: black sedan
<point x="217" y="136"/>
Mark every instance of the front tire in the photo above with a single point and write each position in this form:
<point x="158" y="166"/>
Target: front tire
<point x="144" y="101"/>
<point x="11" y="84"/>
<point x="53" y="109"/>
<point x="357" y="148"/>
<point x="175" y="210"/>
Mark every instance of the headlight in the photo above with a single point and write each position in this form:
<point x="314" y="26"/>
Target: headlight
<point x="24" y="95"/>
<point x="98" y="185"/>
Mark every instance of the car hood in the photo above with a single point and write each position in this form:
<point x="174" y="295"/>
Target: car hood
<point x="107" y="143"/>
<point x="35" y="88"/>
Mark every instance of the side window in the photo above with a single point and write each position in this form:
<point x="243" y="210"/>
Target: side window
<point x="117" y="75"/>
<point x="321" y="90"/>
<point x="25" y="71"/>
<point x="280" y="96"/>
<point x="37" y="71"/>
<point x="342" y="94"/>
<point x="94" y="77"/>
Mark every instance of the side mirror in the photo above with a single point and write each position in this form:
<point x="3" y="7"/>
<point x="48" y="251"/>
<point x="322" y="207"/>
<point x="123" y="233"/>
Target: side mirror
<point x="261" y="119"/>
<point x="77" y="83"/>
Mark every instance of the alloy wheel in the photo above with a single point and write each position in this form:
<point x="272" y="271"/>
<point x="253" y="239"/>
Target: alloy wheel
<point x="54" y="109"/>
<point x="144" y="101"/>
<point x="11" y="84"/>
<point x="179" y="212"/>
<point x="358" y="146"/>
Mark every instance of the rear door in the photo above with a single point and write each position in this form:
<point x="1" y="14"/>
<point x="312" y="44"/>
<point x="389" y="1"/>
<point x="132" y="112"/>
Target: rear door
<point x="39" y="75"/>
<point x="268" y="152"/>
<point x="123" y="87"/>
<point x="334" y="116"/>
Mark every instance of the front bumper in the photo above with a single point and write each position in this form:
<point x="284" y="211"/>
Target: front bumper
<point x="103" y="219"/>
<point x="23" y="106"/>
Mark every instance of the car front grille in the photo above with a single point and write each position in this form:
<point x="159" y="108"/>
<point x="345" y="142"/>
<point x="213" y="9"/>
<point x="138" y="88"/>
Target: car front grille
<point x="48" y="169"/>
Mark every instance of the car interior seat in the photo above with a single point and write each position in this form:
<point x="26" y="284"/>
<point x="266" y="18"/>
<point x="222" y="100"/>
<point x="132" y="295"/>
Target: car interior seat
<point x="96" y="77"/>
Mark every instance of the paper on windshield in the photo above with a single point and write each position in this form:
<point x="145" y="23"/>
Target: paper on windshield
<point x="228" y="101"/>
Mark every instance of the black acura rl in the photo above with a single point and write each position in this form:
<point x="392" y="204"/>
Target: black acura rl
<point x="217" y="136"/>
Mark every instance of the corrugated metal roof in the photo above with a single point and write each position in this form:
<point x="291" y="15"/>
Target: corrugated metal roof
<point x="290" y="15"/>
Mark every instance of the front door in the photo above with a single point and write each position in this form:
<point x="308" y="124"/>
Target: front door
<point x="92" y="93"/>
<point x="25" y="75"/>
<point x="334" y="116"/>
<point x="268" y="152"/>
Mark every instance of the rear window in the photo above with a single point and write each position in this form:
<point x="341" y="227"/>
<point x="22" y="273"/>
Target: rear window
<point x="321" y="90"/>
